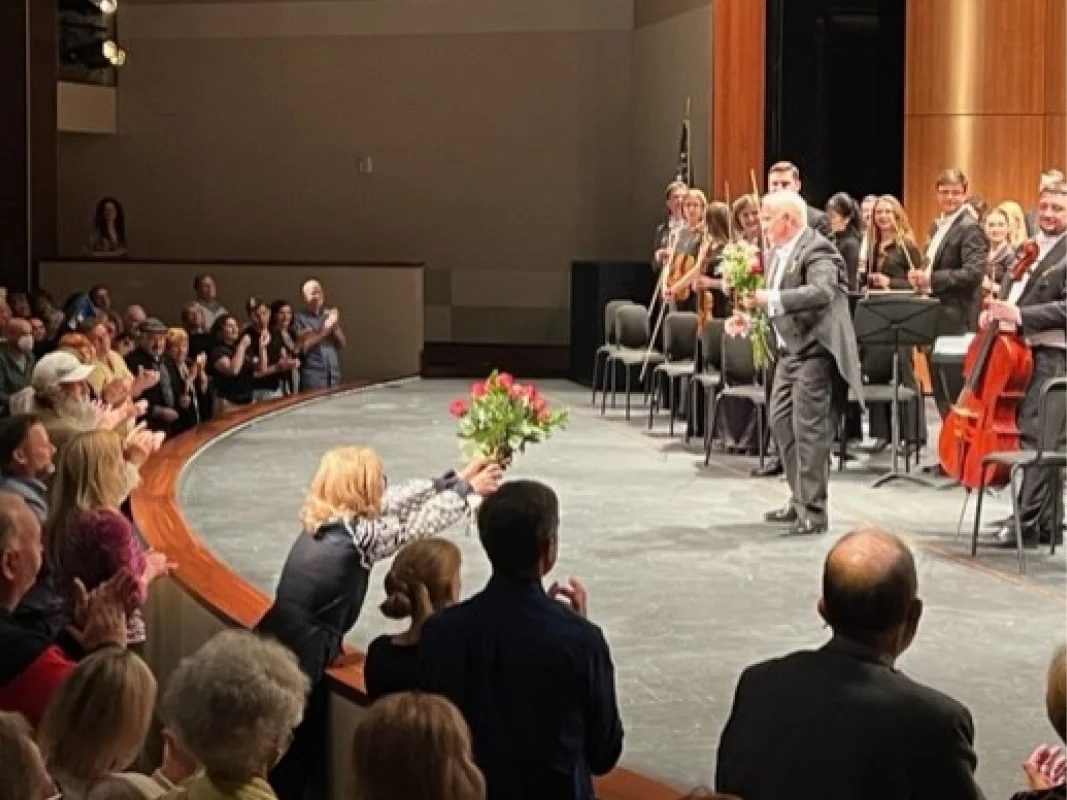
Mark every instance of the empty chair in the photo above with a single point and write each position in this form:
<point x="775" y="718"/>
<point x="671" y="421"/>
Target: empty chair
<point x="740" y="378"/>
<point x="706" y="379"/>
<point x="679" y="353"/>
<point x="633" y="353"/>
<point x="610" y="344"/>
<point x="1050" y="452"/>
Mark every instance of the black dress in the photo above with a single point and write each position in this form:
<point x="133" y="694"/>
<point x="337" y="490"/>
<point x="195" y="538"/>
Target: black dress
<point x="390" y="667"/>
<point x="847" y="243"/>
<point x="877" y="362"/>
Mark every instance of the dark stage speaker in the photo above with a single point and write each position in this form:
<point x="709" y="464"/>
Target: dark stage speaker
<point x="593" y="284"/>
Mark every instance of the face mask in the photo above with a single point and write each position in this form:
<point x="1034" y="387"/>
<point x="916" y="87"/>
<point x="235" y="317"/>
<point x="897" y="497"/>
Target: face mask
<point x="25" y="343"/>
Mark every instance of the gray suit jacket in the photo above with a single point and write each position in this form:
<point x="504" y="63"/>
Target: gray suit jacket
<point x="1043" y="303"/>
<point x="815" y="304"/>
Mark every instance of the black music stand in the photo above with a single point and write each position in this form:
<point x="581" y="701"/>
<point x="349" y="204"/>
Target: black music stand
<point x="897" y="320"/>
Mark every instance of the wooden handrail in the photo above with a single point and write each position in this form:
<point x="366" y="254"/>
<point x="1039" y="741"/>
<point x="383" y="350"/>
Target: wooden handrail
<point x="223" y="592"/>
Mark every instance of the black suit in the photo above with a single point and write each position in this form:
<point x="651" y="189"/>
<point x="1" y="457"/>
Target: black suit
<point x="161" y="396"/>
<point x="1043" y="308"/>
<point x="817" y="220"/>
<point x="819" y="355"/>
<point x="840" y="724"/>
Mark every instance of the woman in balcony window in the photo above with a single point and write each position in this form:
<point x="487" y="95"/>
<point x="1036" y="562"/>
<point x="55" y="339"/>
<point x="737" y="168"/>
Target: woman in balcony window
<point x="108" y="239"/>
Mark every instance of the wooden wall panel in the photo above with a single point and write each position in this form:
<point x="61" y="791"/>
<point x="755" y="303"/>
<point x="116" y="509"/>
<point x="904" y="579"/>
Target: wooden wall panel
<point x="1001" y="155"/>
<point x="738" y="52"/>
<point x="1056" y="141"/>
<point x="975" y="57"/>
<point x="1056" y="58"/>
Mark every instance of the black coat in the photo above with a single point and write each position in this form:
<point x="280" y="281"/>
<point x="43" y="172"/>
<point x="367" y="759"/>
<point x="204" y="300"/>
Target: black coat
<point x="956" y="276"/>
<point x="838" y="723"/>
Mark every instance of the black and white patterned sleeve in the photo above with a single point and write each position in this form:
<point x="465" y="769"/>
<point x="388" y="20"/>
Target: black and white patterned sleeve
<point x="416" y="515"/>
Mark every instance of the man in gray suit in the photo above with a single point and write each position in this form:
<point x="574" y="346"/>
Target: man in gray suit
<point x="811" y="330"/>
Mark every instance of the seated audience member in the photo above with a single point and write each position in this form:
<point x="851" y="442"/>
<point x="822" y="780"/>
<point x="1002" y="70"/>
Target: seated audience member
<point x="229" y="363"/>
<point x="26" y="461"/>
<point x="162" y="398"/>
<point x="16" y="359"/>
<point x="100" y="297"/>
<point x="319" y="337"/>
<point x="96" y="722"/>
<point x="45" y="306"/>
<point x="426" y="737"/>
<point x="350" y="522"/>
<point x="532" y="676"/>
<point x="124" y="344"/>
<point x="270" y="358"/>
<point x="1046" y="769"/>
<point x="108" y="239"/>
<point x="199" y="333"/>
<point x="841" y="722"/>
<point x="77" y="344"/>
<point x="32" y="663"/>
<point x="233" y="705"/>
<point x="24" y="775"/>
<point x="189" y="379"/>
<point x="40" y="336"/>
<point x="110" y="373"/>
<point x="132" y="320"/>
<point x="423" y="579"/>
<point x="207" y="300"/>
<point x="19" y="303"/>
<point x="59" y="396"/>
<point x="281" y="320"/>
<point x="88" y="537"/>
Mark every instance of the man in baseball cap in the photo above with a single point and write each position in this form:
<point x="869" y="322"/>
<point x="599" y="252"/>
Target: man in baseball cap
<point x="61" y="371"/>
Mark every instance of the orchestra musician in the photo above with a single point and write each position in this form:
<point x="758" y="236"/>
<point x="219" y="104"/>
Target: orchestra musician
<point x="811" y="328"/>
<point x="675" y="198"/>
<point x="955" y="263"/>
<point x="784" y="176"/>
<point x="1001" y="249"/>
<point x="717" y="227"/>
<point x="866" y="208"/>
<point x="843" y="217"/>
<point x="1037" y="307"/>
<point x="688" y="245"/>
<point x="892" y="252"/>
<point x="745" y="211"/>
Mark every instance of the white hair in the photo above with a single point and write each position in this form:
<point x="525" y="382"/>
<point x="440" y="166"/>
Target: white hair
<point x="234" y="702"/>
<point x="788" y="200"/>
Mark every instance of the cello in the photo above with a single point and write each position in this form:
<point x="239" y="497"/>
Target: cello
<point x="997" y="368"/>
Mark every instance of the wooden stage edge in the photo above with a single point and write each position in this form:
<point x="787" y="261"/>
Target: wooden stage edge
<point x="224" y="593"/>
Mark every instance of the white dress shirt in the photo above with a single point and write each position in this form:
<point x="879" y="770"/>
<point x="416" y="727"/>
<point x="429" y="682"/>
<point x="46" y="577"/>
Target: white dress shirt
<point x="1050" y="338"/>
<point x="780" y="258"/>
<point x="943" y="224"/>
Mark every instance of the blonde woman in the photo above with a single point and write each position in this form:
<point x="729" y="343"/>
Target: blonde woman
<point x="1001" y="256"/>
<point x="1017" y="230"/>
<point x="95" y="725"/>
<point x="24" y="775"/>
<point x="188" y="377"/>
<point x="86" y="535"/>
<point x="350" y="522"/>
<point x="423" y="579"/>
<point x="688" y="245"/>
<point x="233" y="705"/>
<point x="427" y="735"/>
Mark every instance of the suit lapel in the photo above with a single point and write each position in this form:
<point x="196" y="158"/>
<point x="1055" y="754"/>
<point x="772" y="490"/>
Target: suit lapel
<point x="792" y="274"/>
<point x="1054" y="256"/>
<point x="944" y="239"/>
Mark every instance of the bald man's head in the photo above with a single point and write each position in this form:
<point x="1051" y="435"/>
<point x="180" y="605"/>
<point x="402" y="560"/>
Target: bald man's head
<point x="1056" y="692"/>
<point x="869" y="589"/>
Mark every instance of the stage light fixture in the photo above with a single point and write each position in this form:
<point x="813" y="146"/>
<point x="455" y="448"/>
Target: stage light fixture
<point x="89" y="7"/>
<point x="96" y="55"/>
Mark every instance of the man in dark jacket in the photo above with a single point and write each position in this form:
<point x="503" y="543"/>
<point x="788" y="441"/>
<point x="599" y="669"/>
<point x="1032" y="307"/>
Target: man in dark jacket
<point x="533" y="678"/>
<point x="841" y="722"/>
<point x="162" y="398"/>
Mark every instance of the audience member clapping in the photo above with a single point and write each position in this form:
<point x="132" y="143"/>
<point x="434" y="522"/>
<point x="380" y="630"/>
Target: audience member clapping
<point x="59" y="396"/>
<point x="32" y="662"/>
<point x="319" y="338"/>
<point x="271" y="360"/>
<point x="842" y="722"/>
<point x="22" y="772"/>
<point x="233" y="706"/>
<point x="133" y="318"/>
<point x="111" y="379"/>
<point x="100" y="297"/>
<point x="194" y="325"/>
<point x="207" y="300"/>
<point x="95" y="724"/>
<point x="281" y="321"/>
<point x="161" y="411"/>
<point x="350" y="522"/>
<point x="423" y="578"/>
<point x="532" y="676"/>
<point x="77" y="344"/>
<point x="229" y="363"/>
<point x="413" y="746"/>
<point x="189" y="378"/>
<point x="88" y="536"/>
<point x="1046" y="769"/>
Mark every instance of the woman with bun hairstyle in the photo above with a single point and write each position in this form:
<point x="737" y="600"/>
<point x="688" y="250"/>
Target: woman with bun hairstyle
<point x="424" y="579"/>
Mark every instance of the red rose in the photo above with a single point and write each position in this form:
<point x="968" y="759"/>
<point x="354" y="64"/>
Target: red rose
<point x="516" y="391"/>
<point x="755" y="267"/>
<point x="505" y="379"/>
<point x="478" y="389"/>
<point x="543" y="415"/>
<point x="530" y="392"/>
<point x="538" y="406"/>
<point x="457" y="408"/>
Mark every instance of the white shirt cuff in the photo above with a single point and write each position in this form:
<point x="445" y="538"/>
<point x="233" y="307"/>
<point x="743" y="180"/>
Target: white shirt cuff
<point x="774" y="303"/>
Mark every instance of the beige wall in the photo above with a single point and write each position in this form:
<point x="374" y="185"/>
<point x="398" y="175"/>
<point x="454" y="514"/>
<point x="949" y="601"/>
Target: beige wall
<point x="508" y="138"/>
<point x="671" y="61"/>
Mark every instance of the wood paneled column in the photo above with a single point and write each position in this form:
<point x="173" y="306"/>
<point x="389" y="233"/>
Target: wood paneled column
<point x="27" y="137"/>
<point x="738" y="54"/>
<point x="984" y="91"/>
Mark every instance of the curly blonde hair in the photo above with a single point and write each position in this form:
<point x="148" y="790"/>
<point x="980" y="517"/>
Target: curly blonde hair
<point x="349" y="482"/>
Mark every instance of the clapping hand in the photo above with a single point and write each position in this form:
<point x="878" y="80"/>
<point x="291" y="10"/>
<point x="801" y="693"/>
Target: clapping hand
<point x="156" y="565"/>
<point x="139" y="445"/>
<point x="573" y="593"/>
<point x="145" y="379"/>
<point x="333" y="318"/>
<point x="100" y="615"/>
<point x="1046" y="767"/>
<point x="264" y="338"/>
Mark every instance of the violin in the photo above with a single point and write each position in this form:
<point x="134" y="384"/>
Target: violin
<point x="680" y="268"/>
<point x="997" y="366"/>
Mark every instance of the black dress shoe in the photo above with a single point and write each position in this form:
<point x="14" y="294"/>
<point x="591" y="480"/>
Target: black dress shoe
<point x="769" y="470"/>
<point x="786" y="513"/>
<point x="1004" y="539"/>
<point x="807" y="527"/>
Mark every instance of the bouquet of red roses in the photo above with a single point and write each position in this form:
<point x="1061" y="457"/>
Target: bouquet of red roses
<point x="502" y="416"/>
<point x="742" y="274"/>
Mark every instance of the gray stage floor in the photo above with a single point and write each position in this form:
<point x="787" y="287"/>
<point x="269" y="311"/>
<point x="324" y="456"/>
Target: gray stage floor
<point x="688" y="585"/>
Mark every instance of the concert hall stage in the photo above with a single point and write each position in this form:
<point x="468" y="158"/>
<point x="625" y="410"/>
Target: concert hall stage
<point x="687" y="583"/>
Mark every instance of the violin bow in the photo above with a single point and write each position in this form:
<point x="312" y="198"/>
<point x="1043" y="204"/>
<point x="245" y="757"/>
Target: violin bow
<point x="899" y="237"/>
